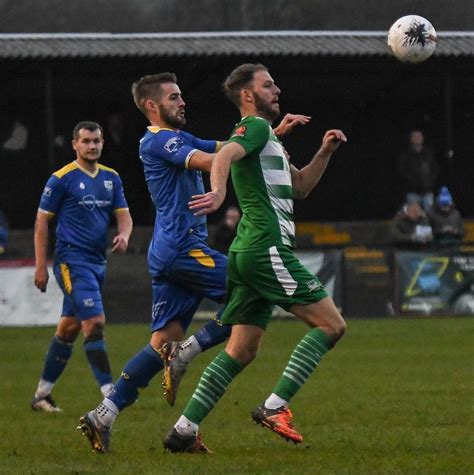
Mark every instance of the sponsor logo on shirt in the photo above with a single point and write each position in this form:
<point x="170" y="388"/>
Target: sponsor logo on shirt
<point x="89" y="202"/>
<point x="173" y="145"/>
<point x="240" y="131"/>
<point x="82" y="186"/>
<point x="47" y="191"/>
<point x="109" y="186"/>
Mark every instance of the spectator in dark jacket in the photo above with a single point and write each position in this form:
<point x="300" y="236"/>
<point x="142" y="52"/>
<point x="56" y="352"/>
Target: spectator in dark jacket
<point x="418" y="171"/>
<point x="446" y="220"/>
<point x="410" y="227"/>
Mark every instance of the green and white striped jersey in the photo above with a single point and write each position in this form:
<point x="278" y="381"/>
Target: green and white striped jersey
<point x="262" y="182"/>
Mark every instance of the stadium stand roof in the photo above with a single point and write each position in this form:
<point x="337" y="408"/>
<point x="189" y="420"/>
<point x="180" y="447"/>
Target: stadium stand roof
<point x="247" y="43"/>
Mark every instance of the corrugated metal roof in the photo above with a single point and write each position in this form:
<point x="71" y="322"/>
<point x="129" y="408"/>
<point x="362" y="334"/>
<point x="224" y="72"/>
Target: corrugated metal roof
<point x="248" y="43"/>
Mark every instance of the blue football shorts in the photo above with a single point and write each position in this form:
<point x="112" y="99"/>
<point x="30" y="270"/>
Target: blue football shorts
<point x="193" y="275"/>
<point x="81" y="284"/>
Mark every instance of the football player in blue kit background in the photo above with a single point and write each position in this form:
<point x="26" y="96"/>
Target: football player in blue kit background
<point x="183" y="267"/>
<point x="82" y="196"/>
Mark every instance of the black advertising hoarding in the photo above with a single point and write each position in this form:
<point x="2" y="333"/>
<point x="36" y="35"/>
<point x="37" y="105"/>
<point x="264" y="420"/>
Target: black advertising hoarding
<point x="440" y="282"/>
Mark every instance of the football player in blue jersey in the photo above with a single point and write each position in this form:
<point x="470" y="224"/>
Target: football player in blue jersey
<point x="183" y="267"/>
<point x="82" y="196"/>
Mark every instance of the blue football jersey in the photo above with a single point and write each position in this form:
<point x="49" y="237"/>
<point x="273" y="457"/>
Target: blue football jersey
<point x="165" y="154"/>
<point x="83" y="204"/>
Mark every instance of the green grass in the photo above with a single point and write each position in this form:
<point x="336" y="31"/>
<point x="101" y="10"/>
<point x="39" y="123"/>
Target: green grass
<point x="395" y="396"/>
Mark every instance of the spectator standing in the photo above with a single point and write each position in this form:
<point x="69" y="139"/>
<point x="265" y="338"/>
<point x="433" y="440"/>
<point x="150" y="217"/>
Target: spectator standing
<point x="446" y="221"/>
<point x="418" y="171"/>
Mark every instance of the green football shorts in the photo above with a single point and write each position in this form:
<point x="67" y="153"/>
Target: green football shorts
<point x="258" y="280"/>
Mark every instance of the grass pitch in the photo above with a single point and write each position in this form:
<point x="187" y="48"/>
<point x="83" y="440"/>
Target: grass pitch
<point x="395" y="396"/>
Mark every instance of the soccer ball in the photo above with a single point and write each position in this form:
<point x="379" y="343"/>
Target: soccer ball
<point x="412" y="39"/>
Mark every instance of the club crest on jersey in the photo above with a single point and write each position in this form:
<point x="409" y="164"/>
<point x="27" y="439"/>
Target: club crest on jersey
<point x="108" y="185"/>
<point x="240" y="131"/>
<point x="47" y="191"/>
<point x="82" y="186"/>
<point x="173" y="145"/>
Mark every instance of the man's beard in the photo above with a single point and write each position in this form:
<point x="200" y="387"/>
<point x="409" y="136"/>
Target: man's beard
<point x="174" y="121"/>
<point x="264" y="109"/>
<point x="90" y="159"/>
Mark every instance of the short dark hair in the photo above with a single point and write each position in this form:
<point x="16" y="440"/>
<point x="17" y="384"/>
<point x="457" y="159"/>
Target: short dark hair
<point x="88" y="125"/>
<point x="240" y="78"/>
<point x="150" y="87"/>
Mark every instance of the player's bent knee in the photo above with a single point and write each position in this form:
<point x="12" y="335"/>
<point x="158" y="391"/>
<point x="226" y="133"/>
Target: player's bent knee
<point x="66" y="338"/>
<point x="252" y="353"/>
<point x="244" y="355"/>
<point x="339" y="330"/>
<point x="68" y="329"/>
<point x="334" y="328"/>
<point x="95" y="332"/>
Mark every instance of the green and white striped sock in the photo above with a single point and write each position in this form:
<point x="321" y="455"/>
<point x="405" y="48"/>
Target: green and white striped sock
<point x="304" y="360"/>
<point x="212" y="385"/>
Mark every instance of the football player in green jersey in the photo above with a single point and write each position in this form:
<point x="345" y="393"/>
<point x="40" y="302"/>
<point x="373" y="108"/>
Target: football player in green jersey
<point x="263" y="270"/>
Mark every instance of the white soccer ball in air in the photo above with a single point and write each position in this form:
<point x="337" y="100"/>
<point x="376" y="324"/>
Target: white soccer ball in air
<point x="412" y="39"/>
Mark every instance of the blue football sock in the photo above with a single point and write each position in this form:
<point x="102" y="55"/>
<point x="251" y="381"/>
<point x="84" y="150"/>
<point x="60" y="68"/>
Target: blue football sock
<point x="136" y="375"/>
<point x="98" y="360"/>
<point x="57" y="357"/>
<point x="211" y="334"/>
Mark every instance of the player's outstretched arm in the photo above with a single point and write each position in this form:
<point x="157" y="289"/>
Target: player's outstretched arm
<point x="41" y="250"/>
<point x="307" y="178"/>
<point x="124" y="227"/>
<point x="201" y="161"/>
<point x="211" y="201"/>
<point x="289" y="122"/>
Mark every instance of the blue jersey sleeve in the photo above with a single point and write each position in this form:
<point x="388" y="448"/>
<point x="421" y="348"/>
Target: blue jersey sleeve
<point x="208" y="146"/>
<point x="52" y="196"/>
<point x="169" y="146"/>
<point x="120" y="201"/>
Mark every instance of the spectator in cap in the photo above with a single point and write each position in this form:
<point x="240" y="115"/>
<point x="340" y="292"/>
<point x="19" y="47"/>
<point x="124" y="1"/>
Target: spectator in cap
<point x="445" y="219"/>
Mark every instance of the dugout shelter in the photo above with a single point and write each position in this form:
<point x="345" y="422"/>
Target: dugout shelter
<point x="344" y="79"/>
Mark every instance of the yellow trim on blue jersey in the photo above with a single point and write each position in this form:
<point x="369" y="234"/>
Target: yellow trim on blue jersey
<point x="107" y="169"/>
<point x="120" y="209"/>
<point x="218" y="145"/>
<point x="155" y="129"/>
<point x="49" y="213"/>
<point x="66" y="276"/>
<point x="204" y="259"/>
<point x="66" y="169"/>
